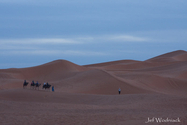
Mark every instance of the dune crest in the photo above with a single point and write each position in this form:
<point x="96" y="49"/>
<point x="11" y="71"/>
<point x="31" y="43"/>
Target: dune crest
<point x="179" y="55"/>
<point x="162" y="74"/>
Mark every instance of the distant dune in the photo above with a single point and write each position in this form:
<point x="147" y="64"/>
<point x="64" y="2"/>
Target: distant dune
<point x="166" y="74"/>
<point x="88" y="95"/>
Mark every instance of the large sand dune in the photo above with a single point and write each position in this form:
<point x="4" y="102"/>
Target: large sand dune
<point x="164" y="74"/>
<point x="89" y="94"/>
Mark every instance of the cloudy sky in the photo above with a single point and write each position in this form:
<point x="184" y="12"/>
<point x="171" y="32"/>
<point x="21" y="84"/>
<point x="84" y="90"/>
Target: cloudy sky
<point x="34" y="32"/>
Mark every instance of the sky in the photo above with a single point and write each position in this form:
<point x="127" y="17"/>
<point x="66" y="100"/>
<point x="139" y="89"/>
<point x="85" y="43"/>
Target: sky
<point x="34" y="32"/>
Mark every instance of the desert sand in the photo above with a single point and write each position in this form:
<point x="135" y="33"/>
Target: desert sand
<point x="88" y="95"/>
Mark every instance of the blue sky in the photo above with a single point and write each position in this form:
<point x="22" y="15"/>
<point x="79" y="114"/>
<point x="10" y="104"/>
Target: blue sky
<point x="35" y="32"/>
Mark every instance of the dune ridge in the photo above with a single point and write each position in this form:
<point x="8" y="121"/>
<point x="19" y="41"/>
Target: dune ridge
<point x="88" y="94"/>
<point x="162" y="74"/>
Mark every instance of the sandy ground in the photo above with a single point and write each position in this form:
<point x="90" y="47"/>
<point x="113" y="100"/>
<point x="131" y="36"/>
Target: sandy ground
<point x="28" y="107"/>
<point x="88" y="95"/>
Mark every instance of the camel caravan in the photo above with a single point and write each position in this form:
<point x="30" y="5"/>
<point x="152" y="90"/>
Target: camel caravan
<point x="36" y="85"/>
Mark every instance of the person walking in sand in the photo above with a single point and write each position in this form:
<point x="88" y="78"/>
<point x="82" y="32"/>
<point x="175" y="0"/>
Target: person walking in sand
<point x="119" y="90"/>
<point x="53" y="89"/>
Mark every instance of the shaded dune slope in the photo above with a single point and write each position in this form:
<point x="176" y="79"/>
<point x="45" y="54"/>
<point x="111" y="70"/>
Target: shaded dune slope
<point x="166" y="73"/>
<point x="97" y="81"/>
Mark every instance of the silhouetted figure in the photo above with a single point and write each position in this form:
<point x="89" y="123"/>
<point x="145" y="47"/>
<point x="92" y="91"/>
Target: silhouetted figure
<point x="119" y="90"/>
<point x="37" y="83"/>
<point x="53" y="89"/>
<point x="25" y="83"/>
<point x="32" y="83"/>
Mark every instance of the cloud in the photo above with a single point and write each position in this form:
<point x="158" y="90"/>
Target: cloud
<point x="97" y="45"/>
<point x="164" y="36"/>
<point x="136" y="37"/>
<point x="54" y="52"/>
<point x="126" y="38"/>
<point x="113" y="38"/>
<point x="73" y="40"/>
<point x="78" y="45"/>
<point x="39" y="41"/>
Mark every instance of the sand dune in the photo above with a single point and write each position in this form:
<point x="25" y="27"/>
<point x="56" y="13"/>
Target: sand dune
<point x="97" y="82"/>
<point x="112" y="63"/>
<point x="89" y="94"/>
<point x="178" y="55"/>
<point x="51" y="69"/>
<point x="153" y="75"/>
